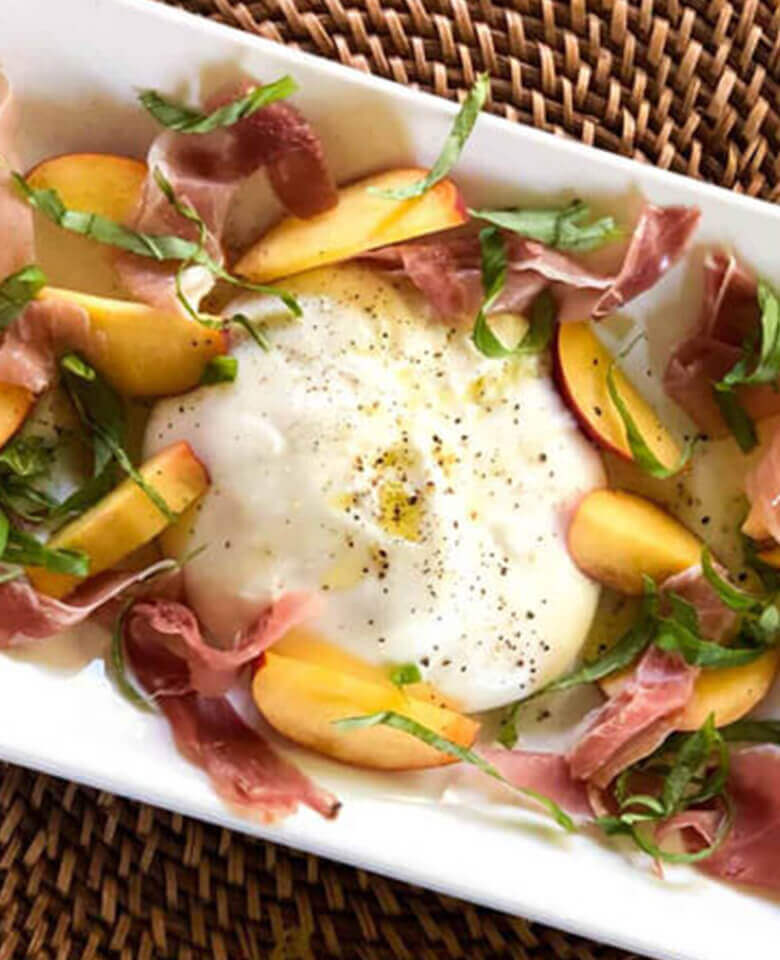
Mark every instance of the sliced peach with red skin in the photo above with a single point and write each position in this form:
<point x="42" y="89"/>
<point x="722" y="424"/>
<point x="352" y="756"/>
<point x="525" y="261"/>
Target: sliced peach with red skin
<point x="15" y="404"/>
<point x="582" y="363"/>
<point x="304" y="684"/>
<point x="126" y="519"/>
<point x="617" y="538"/>
<point x="143" y="351"/>
<point x="360" y="221"/>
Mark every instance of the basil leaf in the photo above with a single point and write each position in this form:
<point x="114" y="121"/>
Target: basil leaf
<point x="405" y="673"/>
<point x="494" y="271"/>
<point x="561" y="228"/>
<point x="693" y="754"/>
<point x="767" y="366"/>
<point x="99" y="228"/>
<point x="25" y="500"/>
<point x="257" y="333"/>
<point x="752" y="731"/>
<point x="85" y="496"/>
<point x="183" y="119"/>
<point x="100" y="410"/>
<point x="119" y="665"/>
<point x="641" y="453"/>
<point x="453" y="145"/>
<point x="27" y="457"/>
<point x="25" y="550"/>
<point x="396" y="721"/>
<point x="17" y="290"/>
<point x="222" y="369"/>
<point x="738" y="420"/>
<point x="684" y="612"/>
<point x="729" y="595"/>
<point x="674" y="637"/>
<point x="5" y="530"/>
<point x="201" y="257"/>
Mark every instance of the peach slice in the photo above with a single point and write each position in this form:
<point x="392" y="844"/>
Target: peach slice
<point x="616" y="538"/>
<point x="126" y="518"/>
<point x="15" y="404"/>
<point x="304" y="684"/>
<point x="360" y="221"/>
<point x="97" y="183"/>
<point x="140" y="350"/>
<point x="729" y="693"/>
<point x="581" y="366"/>
<point x="770" y="557"/>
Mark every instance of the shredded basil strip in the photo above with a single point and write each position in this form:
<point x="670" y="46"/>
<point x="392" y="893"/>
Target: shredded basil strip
<point x="397" y="721"/>
<point x="494" y="271"/>
<point x="119" y="664"/>
<point x="561" y="228"/>
<point x="222" y="369"/>
<point x="738" y="420"/>
<point x="17" y="290"/>
<point x="256" y="332"/>
<point x="687" y="781"/>
<point x="183" y="119"/>
<point x="752" y="731"/>
<point x="201" y="257"/>
<point x="732" y="597"/>
<point x="672" y="636"/>
<point x="404" y="674"/>
<point x="641" y="453"/>
<point x="100" y="410"/>
<point x="24" y="460"/>
<point x="23" y="549"/>
<point x="453" y="145"/>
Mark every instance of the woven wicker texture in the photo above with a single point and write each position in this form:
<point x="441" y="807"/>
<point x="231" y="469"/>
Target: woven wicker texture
<point x="690" y="86"/>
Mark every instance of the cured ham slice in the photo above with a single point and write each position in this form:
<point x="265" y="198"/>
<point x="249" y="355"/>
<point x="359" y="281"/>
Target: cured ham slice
<point x="729" y="314"/>
<point x="27" y="616"/>
<point x="635" y="721"/>
<point x="762" y="486"/>
<point x="205" y="170"/>
<point x="716" y="620"/>
<point x="16" y="219"/>
<point x="212" y="671"/>
<point x="243" y="768"/>
<point x="751" y="852"/>
<point x="447" y="269"/>
<point x="547" y="773"/>
<point x="34" y="341"/>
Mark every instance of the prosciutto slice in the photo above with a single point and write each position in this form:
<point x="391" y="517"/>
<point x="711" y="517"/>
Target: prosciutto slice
<point x="729" y="313"/>
<point x="243" y="768"/>
<point x="636" y="720"/>
<point x="446" y="269"/>
<point x="212" y="671"/>
<point x="716" y="620"/>
<point x="547" y="773"/>
<point x="27" y="616"/>
<point x="16" y="219"/>
<point x="205" y="170"/>
<point x="34" y="341"/>
<point x="762" y="486"/>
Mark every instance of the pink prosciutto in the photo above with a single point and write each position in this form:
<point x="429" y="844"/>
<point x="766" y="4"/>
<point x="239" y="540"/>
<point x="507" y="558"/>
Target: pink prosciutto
<point x="547" y="773"/>
<point x="243" y="768"/>
<point x="213" y="670"/>
<point x="446" y="269"/>
<point x="205" y="170"/>
<point x="729" y="313"/>
<point x="27" y="616"/>
<point x="716" y="620"/>
<point x="762" y="486"/>
<point x="636" y="720"/>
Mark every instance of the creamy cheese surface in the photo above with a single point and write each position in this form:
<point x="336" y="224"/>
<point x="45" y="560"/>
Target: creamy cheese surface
<point x="374" y="455"/>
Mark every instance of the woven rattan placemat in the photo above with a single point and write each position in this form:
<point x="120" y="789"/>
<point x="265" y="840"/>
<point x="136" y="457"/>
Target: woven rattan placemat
<point x="690" y="86"/>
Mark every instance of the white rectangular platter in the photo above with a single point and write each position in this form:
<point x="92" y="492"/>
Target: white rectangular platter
<point x="76" y="66"/>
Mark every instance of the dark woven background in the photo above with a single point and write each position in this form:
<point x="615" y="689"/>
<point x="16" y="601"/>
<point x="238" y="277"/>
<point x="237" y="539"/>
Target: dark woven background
<point x="690" y="86"/>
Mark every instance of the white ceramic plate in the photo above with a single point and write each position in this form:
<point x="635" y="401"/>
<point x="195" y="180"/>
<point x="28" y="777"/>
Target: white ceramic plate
<point x="75" y="66"/>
